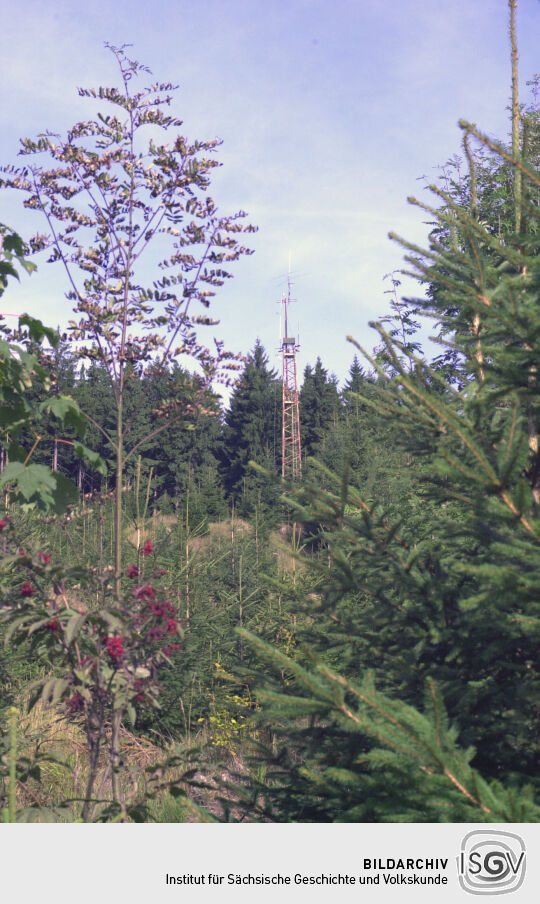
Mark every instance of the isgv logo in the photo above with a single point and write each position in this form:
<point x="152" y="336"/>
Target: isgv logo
<point x="491" y="862"/>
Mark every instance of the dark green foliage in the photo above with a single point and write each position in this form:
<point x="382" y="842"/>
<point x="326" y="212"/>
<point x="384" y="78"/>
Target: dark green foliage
<point x="359" y="756"/>
<point x="252" y="432"/>
<point x="24" y="416"/>
<point x="319" y="407"/>
<point x="354" y="385"/>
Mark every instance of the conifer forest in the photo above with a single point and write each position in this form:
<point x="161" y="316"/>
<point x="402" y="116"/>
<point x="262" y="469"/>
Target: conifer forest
<point x="186" y="633"/>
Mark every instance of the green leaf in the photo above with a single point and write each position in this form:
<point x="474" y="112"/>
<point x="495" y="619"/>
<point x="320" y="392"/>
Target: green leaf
<point x="36" y="329"/>
<point x="38" y="484"/>
<point x="60" y="687"/>
<point x="11" y="472"/>
<point x="14" y="243"/>
<point x="67" y="411"/>
<point x="15" y="625"/>
<point x="142" y="672"/>
<point x="35" y="480"/>
<point x="112" y="620"/>
<point x="91" y="458"/>
<point x="29" y="266"/>
<point x="37" y="626"/>
<point x="7" y="270"/>
<point x="47" y="690"/>
<point x="41" y="814"/>
<point x="73" y="627"/>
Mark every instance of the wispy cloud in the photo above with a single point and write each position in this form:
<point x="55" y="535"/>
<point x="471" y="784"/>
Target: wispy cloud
<point x="329" y="114"/>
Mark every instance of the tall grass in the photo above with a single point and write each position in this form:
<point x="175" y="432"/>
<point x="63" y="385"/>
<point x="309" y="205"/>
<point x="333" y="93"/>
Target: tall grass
<point x="58" y="746"/>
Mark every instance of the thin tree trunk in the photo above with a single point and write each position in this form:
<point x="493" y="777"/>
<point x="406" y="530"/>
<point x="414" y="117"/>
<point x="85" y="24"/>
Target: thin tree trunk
<point x="534" y="470"/>
<point x="118" y="492"/>
<point x="187" y="558"/>
<point x="512" y="5"/>
<point x="240" y="609"/>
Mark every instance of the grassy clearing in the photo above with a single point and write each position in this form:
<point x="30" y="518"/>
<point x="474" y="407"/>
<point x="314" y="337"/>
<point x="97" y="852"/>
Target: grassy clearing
<point x="58" y="745"/>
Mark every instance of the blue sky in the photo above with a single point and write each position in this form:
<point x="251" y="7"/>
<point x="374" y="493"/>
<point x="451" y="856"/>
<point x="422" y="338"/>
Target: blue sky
<point x="330" y="112"/>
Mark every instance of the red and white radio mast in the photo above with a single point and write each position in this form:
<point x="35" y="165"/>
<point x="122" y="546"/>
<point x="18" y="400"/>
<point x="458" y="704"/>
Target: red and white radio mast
<point x="291" y="450"/>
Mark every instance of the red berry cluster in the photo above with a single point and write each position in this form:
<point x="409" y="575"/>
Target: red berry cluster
<point x="114" y="647"/>
<point x="161" y="610"/>
<point x="165" y="615"/>
<point x="166" y="612"/>
<point x="75" y="703"/>
<point x="152" y="624"/>
<point x="140" y="696"/>
<point x="154" y="633"/>
<point x="27" y="589"/>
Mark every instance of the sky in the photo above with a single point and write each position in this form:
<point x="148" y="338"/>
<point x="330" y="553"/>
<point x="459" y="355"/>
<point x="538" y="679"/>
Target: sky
<point x="331" y="115"/>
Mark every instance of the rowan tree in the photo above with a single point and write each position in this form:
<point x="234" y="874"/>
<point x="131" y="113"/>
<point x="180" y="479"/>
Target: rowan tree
<point x="143" y="246"/>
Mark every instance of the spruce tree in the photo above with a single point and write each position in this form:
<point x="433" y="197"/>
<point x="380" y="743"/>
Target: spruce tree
<point x="252" y="431"/>
<point x="436" y="603"/>
<point x="354" y="383"/>
<point x="319" y="407"/>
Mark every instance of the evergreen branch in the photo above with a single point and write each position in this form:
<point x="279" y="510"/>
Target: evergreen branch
<point x="431" y="685"/>
<point x="521" y="518"/>
<point x="506" y="252"/>
<point x="371" y="703"/>
<point x="454" y="424"/>
<point x="464" y="791"/>
<point x="501" y="151"/>
<point x="462" y="468"/>
<point x="442" y="413"/>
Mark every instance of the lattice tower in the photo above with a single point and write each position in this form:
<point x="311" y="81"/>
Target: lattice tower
<point x="291" y="449"/>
